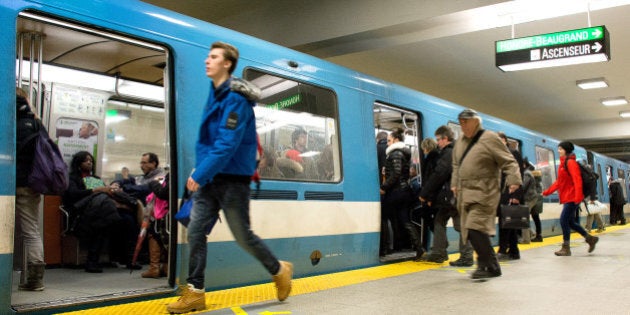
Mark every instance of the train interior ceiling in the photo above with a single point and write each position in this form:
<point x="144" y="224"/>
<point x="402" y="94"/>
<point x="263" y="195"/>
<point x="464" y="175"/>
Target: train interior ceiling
<point x="114" y="84"/>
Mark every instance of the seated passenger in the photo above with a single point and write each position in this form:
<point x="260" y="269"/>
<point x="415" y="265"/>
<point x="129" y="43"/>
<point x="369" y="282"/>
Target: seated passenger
<point x="298" y="141"/>
<point x="139" y="188"/>
<point x="267" y="167"/>
<point x="98" y="211"/>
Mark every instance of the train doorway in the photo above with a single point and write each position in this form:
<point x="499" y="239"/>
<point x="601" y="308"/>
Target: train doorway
<point x="105" y="94"/>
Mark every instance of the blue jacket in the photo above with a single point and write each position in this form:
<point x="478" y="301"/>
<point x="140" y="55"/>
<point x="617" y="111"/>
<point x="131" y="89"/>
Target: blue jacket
<point x="227" y="137"/>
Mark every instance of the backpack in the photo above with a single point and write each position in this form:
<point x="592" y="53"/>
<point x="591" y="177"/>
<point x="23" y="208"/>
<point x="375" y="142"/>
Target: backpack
<point x="589" y="180"/>
<point x="50" y="173"/>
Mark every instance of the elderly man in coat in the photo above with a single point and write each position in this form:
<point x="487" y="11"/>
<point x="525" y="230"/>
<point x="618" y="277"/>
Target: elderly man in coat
<point x="479" y="159"/>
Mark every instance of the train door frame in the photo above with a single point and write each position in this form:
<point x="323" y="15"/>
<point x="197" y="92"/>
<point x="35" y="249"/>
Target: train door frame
<point x="391" y="112"/>
<point x="43" y="107"/>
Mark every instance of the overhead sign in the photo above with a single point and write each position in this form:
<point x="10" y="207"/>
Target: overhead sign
<point x="555" y="49"/>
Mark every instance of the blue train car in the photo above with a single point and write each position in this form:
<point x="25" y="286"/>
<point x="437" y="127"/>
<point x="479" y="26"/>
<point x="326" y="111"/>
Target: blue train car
<point x="136" y="74"/>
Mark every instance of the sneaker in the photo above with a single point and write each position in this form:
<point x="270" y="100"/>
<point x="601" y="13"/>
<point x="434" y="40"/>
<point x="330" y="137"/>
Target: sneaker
<point x="191" y="300"/>
<point x="461" y="262"/>
<point x="283" y="280"/>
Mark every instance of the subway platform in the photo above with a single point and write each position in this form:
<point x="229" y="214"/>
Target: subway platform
<point x="538" y="283"/>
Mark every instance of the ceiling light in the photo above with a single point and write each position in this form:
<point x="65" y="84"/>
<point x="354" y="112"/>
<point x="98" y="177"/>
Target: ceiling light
<point x="614" y="101"/>
<point x="596" y="83"/>
<point x="624" y="114"/>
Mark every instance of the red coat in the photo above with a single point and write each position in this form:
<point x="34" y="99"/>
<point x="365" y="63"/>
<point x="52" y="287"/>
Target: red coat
<point x="569" y="184"/>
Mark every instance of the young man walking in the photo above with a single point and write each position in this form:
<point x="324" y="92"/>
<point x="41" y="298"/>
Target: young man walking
<point x="226" y="161"/>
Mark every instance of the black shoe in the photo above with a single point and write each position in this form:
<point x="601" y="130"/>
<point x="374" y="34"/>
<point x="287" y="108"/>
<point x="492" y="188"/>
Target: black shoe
<point x="134" y="266"/>
<point x="537" y="239"/>
<point x="485" y="273"/>
<point x="436" y="259"/>
<point x="461" y="263"/>
<point x="93" y="267"/>
<point x="514" y="257"/>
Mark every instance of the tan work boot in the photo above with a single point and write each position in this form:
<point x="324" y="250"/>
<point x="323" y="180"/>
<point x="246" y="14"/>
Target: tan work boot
<point x="283" y="280"/>
<point x="189" y="301"/>
<point x="591" y="241"/>
<point x="564" y="251"/>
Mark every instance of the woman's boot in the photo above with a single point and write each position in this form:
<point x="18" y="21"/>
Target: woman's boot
<point x="154" y="259"/>
<point x="564" y="251"/>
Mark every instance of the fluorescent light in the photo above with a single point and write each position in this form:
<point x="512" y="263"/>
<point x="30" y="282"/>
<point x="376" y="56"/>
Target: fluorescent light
<point x="614" y="101"/>
<point x="624" y="114"/>
<point x="596" y="83"/>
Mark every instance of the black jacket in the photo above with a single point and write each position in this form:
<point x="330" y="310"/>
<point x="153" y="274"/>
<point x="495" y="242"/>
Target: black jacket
<point x="397" y="169"/>
<point x="437" y="188"/>
<point x="26" y="126"/>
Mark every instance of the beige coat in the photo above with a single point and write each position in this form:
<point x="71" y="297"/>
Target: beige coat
<point x="478" y="178"/>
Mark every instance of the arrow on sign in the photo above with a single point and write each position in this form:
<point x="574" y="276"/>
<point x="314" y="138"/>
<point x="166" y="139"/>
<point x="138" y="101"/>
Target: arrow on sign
<point x="597" y="47"/>
<point x="597" y="33"/>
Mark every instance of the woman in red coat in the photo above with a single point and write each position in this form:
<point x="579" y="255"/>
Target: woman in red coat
<point x="569" y="186"/>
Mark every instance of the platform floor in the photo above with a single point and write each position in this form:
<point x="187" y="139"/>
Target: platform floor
<point x="538" y="283"/>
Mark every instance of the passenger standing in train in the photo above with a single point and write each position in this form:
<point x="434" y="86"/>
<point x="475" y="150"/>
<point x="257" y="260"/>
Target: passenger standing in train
<point x="438" y="194"/>
<point x="396" y="190"/>
<point x="26" y="199"/>
<point x="386" y="241"/>
<point x="479" y="159"/>
<point x="535" y="204"/>
<point x="616" y="203"/>
<point x="508" y="238"/>
<point x="569" y="187"/>
<point x="226" y="160"/>
<point x="155" y="215"/>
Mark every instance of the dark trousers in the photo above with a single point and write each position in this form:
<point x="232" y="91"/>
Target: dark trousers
<point x="486" y="258"/>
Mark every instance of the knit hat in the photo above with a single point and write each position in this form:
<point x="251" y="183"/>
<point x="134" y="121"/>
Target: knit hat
<point x="567" y="146"/>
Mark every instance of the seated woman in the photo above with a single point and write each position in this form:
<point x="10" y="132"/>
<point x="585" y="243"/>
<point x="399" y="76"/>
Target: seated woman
<point x="94" y="213"/>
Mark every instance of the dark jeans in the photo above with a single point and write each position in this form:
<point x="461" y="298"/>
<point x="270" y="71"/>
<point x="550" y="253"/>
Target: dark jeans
<point x="233" y="197"/>
<point x="568" y="222"/>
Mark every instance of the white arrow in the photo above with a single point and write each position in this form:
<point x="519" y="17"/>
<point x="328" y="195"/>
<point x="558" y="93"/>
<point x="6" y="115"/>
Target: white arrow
<point x="597" y="47"/>
<point x="597" y="32"/>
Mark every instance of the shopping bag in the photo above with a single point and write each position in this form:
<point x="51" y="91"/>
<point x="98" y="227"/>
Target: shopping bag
<point x="514" y="217"/>
<point x="595" y="207"/>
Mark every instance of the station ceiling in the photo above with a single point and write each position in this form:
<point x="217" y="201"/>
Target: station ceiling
<point x="446" y="48"/>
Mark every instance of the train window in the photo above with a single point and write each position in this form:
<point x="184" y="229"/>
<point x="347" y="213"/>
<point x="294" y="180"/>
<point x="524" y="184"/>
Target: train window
<point x="298" y="128"/>
<point x="100" y="92"/>
<point x="545" y="162"/>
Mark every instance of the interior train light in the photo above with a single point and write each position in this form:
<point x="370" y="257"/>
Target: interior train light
<point x="624" y="114"/>
<point x="595" y="83"/>
<point x="614" y="101"/>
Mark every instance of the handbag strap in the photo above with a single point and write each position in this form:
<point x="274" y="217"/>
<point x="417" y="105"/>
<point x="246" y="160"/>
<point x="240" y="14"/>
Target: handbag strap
<point x="472" y="142"/>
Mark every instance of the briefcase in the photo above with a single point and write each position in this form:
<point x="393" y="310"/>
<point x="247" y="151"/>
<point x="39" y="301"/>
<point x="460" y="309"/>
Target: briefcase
<point x="514" y="217"/>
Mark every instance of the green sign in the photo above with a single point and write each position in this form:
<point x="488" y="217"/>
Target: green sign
<point x="287" y="102"/>
<point x="552" y="39"/>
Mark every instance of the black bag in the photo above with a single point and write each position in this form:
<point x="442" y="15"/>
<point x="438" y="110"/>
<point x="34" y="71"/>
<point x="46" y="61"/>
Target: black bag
<point x="514" y="217"/>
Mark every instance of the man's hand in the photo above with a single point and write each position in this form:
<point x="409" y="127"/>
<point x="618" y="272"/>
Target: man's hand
<point x="513" y="188"/>
<point x="192" y="185"/>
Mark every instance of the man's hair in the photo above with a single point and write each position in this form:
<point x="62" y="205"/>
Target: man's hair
<point x="445" y="131"/>
<point x="428" y="144"/>
<point x="502" y="135"/>
<point x="296" y="134"/>
<point x="381" y="135"/>
<point x="229" y="53"/>
<point x="153" y="158"/>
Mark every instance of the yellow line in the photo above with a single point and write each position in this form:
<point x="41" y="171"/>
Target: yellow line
<point x="233" y="298"/>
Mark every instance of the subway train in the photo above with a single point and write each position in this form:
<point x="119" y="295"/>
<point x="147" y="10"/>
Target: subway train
<point x="134" y="74"/>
